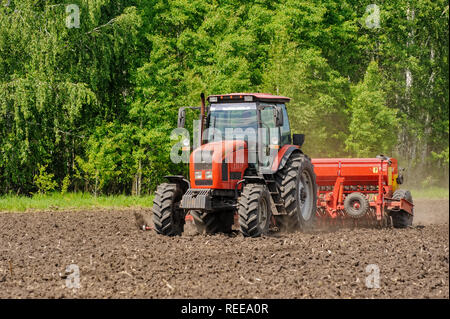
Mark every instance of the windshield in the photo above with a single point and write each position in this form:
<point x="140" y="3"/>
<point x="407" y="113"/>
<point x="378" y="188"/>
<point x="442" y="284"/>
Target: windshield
<point x="225" y="117"/>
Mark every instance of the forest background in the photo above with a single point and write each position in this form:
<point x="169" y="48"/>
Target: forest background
<point x="88" y="104"/>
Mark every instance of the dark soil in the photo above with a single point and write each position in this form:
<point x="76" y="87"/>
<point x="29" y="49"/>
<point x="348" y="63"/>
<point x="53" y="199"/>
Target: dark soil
<point x="116" y="260"/>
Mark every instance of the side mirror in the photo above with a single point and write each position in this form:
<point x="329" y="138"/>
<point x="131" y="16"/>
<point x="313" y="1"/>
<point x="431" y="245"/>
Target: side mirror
<point x="181" y="117"/>
<point x="298" y="139"/>
<point x="278" y="115"/>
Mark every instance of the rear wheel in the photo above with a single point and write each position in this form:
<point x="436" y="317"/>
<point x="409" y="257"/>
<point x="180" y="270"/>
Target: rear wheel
<point x="254" y="210"/>
<point x="168" y="218"/>
<point x="212" y="222"/>
<point x="402" y="219"/>
<point x="297" y="184"/>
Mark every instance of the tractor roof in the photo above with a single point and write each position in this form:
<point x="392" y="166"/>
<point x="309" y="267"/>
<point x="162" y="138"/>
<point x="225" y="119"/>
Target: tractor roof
<point x="247" y="97"/>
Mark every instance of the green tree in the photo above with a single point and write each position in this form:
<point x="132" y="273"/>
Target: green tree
<point x="318" y="104"/>
<point x="98" y="103"/>
<point x="373" y="126"/>
<point x="57" y="83"/>
<point x="44" y="181"/>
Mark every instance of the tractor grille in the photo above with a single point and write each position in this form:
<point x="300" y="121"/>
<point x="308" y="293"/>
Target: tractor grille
<point x="203" y="182"/>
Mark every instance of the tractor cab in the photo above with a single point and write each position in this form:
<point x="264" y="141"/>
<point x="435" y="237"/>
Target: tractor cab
<point x="253" y="113"/>
<point x="260" y="120"/>
<point x="242" y="134"/>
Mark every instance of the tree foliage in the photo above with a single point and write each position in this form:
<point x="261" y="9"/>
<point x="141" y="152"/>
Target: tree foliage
<point x="373" y="126"/>
<point x="95" y="105"/>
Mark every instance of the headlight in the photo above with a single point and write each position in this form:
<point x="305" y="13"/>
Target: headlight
<point x="274" y="140"/>
<point x="208" y="175"/>
<point x="186" y="142"/>
<point x="198" y="175"/>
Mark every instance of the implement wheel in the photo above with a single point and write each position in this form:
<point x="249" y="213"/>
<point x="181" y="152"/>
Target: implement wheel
<point x="356" y="205"/>
<point x="402" y="219"/>
<point x="168" y="218"/>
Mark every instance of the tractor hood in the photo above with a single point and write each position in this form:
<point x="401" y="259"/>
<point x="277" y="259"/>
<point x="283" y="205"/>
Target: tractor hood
<point x="217" y="150"/>
<point x="218" y="164"/>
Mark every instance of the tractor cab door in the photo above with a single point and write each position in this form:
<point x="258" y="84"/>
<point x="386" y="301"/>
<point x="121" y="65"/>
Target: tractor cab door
<point x="269" y="135"/>
<point x="284" y="133"/>
<point x="286" y="128"/>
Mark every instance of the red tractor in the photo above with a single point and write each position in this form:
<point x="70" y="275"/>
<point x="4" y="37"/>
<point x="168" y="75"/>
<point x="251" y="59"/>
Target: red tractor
<point x="248" y="164"/>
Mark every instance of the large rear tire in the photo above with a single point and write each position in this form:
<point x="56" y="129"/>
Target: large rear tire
<point x="168" y="218"/>
<point x="402" y="219"/>
<point x="296" y="182"/>
<point x="254" y="210"/>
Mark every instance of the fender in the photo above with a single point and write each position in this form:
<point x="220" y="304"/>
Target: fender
<point x="283" y="156"/>
<point x="180" y="180"/>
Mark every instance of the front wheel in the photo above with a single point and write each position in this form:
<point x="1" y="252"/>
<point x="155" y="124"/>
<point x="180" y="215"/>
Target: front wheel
<point x="254" y="210"/>
<point x="168" y="218"/>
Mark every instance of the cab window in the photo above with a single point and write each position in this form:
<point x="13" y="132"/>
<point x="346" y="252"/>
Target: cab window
<point x="267" y="119"/>
<point x="285" y="129"/>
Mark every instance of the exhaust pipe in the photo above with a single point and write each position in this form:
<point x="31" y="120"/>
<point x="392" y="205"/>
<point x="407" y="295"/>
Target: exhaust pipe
<point x="202" y="116"/>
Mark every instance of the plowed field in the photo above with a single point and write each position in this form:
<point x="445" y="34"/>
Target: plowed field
<point x="116" y="260"/>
